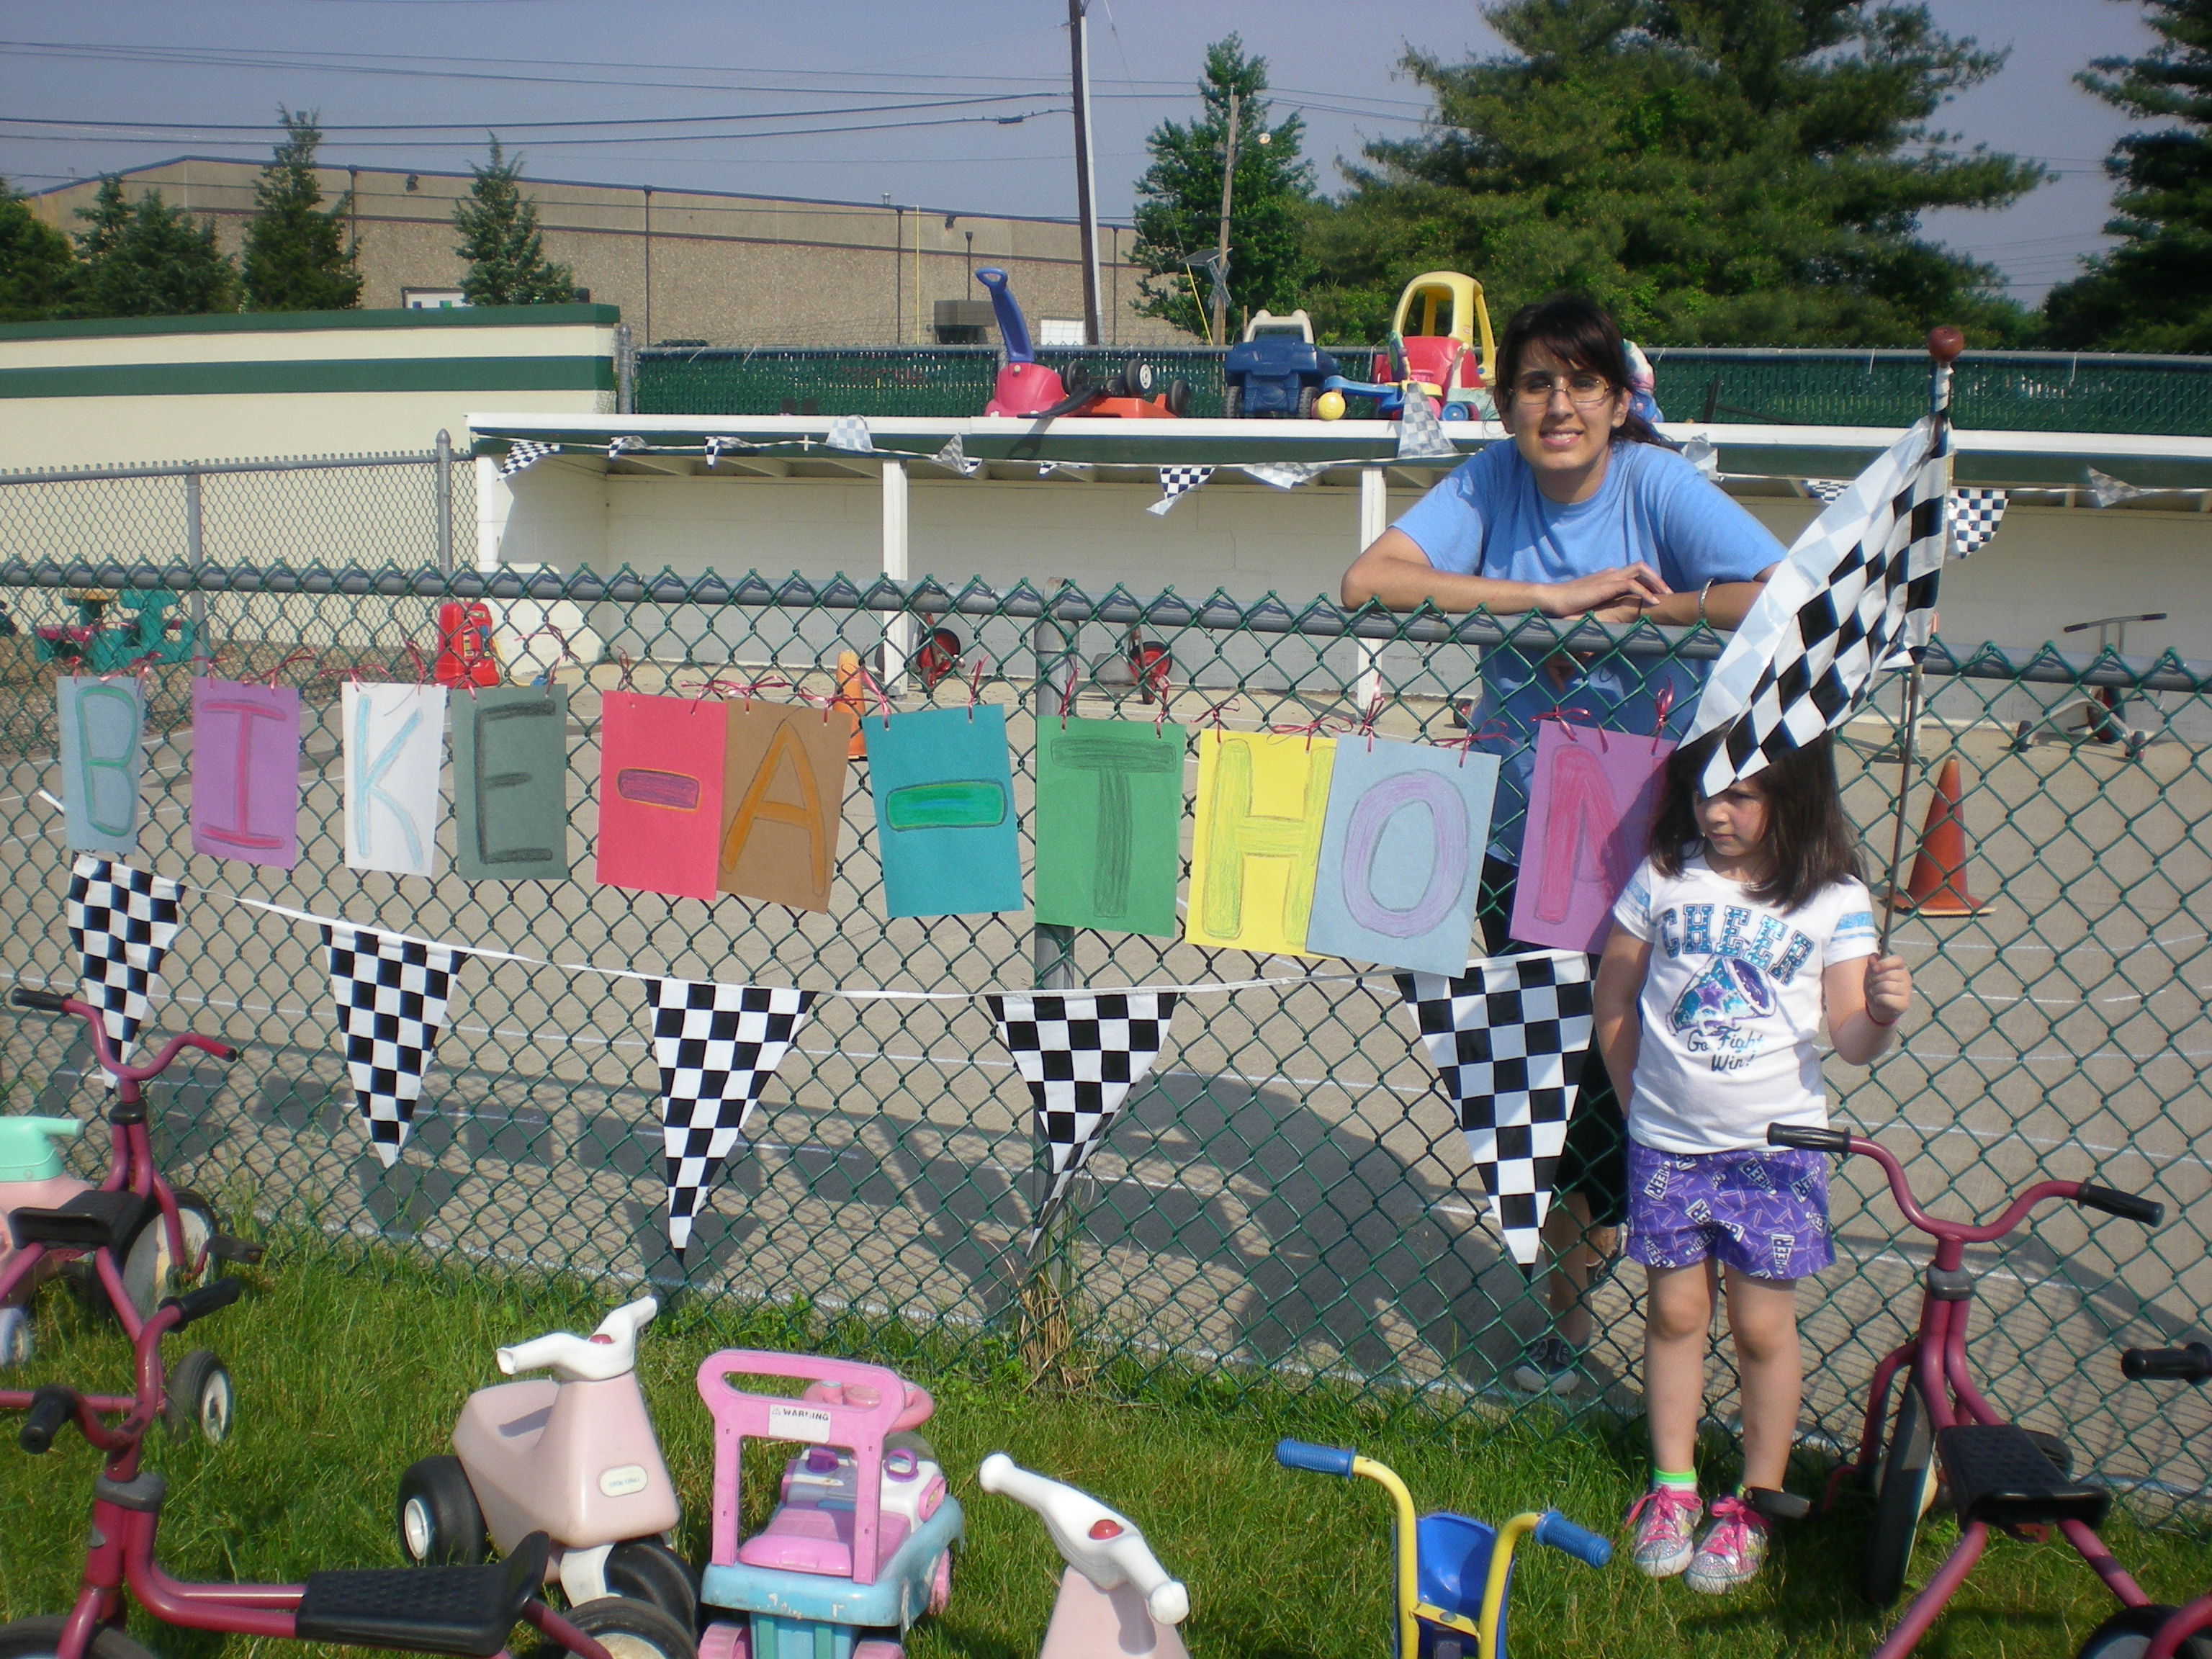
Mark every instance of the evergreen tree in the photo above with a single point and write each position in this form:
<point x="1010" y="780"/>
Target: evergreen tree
<point x="1740" y="172"/>
<point x="38" y="268"/>
<point x="148" y="260"/>
<point x="2153" y="292"/>
<point x="1179" y="201"/>
<point x="500" y="239"/>
<point x="296" y="257"/>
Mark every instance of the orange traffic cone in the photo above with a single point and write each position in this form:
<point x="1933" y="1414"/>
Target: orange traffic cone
<point x="853" y="697"/>
<point x="1937" y="886"/>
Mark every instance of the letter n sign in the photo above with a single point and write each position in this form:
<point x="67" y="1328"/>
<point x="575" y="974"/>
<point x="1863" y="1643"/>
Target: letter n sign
<point x="1590" y="803"/>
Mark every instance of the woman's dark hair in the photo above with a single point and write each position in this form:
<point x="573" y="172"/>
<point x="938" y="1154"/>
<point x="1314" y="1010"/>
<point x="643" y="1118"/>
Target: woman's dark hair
<point x="1580" y="334"/>
<point x="1809" y="844"/>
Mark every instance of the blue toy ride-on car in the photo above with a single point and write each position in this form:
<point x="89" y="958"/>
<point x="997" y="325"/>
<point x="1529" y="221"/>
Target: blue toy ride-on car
<point x="1275" y="370"/>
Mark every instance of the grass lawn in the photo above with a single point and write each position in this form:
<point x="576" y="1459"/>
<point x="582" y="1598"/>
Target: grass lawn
<point x="344" y="1377"/>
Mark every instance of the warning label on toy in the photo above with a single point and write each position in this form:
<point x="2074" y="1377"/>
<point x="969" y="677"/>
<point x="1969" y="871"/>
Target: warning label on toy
<point x="799" y="1423"/>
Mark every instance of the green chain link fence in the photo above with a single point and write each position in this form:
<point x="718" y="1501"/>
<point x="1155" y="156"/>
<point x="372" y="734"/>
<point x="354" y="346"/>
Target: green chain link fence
<point x="1992" y="391"/>
<point x="1287" y="1196"/>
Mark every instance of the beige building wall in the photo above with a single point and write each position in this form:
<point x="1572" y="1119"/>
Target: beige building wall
<point x="729" y="270"/>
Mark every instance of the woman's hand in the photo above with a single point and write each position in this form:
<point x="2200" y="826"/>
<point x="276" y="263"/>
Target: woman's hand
<point x="1888" y="989"/>
<point x="1626" y="592"/>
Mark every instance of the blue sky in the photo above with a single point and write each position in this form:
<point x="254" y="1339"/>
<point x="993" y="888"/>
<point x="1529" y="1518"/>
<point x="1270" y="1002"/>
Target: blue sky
<point x="958" y="105"/>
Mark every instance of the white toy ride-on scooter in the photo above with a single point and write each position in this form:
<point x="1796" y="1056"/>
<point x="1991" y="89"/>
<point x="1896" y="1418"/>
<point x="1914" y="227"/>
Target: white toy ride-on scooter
<point x="575" y="1458"/>
<point x="1116" y="1602"/>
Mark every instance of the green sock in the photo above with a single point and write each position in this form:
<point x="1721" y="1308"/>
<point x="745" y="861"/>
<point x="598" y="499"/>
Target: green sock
<point x="1685" y="1481"/>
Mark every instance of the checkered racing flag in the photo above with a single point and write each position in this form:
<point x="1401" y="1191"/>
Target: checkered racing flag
<point x="1080" y="1053"/>
<point x="1421" y="435"/>
<point x="850" y="432"/>
<point x="391" y="995"/>
<point x="716" y="1046"/>
<point x="1509" y="1039"/>
<point x="1975" y="516"/>
<point x="1175" y="482"/>
<point x="121" y="924"/>
<point x="955" y="455"/>
<point x="618" y="447"/>
<point x="715" y="448"/>
<point x="522" y="455"/>
<point x="1859" y="584"/>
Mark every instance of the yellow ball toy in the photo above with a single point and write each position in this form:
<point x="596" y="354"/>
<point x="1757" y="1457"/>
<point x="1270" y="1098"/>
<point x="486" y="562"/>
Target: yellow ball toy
<point x="1329" y="406"/>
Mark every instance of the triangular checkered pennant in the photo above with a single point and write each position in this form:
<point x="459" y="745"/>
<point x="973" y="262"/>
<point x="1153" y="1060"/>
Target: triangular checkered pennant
<point x="955" y="455"/>
<point x="1421" y="435"/>
<point x="716" y="1047"/>
<point x="851" y="432"/>
<point x="1285" y="475"/>
<point x="2105" y="490"/>
<point x="1175" y="482"/>
<point x="391" y="995"/>
<point x="121" y="924"/>
<point x="715" y="448"/>
<point x="1859" y="583"/>
<point x="1508" y="1040"/>
<point x="1080" y="1053"/>
<point x="1825" y="490"/>
<point x="618" y="447"/>
<point x="1975" y="516"/>
<point x="522" y="454"/>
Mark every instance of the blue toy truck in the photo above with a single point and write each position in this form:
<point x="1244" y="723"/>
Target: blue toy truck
<point x="1275" y="370"/>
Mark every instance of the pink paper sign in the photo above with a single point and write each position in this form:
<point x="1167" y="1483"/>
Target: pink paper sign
<point x="1590" y="804"/>
<point x="245" y="772"/>
<point x="660" y="793"/>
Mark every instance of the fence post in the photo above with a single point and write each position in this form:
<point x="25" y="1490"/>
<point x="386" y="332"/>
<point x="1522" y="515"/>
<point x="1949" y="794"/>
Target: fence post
<point x="1051" y="949"/>
<point x="898" y="631"/>
<point x="196" y="555"/>
<point x="445" y="500"/>
<point x="625" y="372"/>
<point x="1373" y="519"/>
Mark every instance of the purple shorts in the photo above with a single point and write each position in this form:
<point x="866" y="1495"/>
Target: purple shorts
<point x="1763" y="1212"/>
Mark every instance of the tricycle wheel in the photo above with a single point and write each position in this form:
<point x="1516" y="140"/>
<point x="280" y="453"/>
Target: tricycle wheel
<point x="41" y="1638"/>
<point x="1137" y="377"/>
<point x="201" y="1396"/>
<point x="629" y="1630"/>
<point x="150" y="1271"/>
<point x="1178" y="397"/>
<point x="1309" y="398"/>
<point x="646" y="1570"/>
<point x="1232" y="403"/>
<point x="440" y="1523"/>
<point x="2129" y="1633"/>
<point x="1904" y="1491"/>
<point x="15" y="1343"/>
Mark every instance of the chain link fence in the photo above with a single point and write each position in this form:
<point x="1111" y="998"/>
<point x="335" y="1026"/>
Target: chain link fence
<point x="1992" y="391"/>
<point x="1286" y="1196"/>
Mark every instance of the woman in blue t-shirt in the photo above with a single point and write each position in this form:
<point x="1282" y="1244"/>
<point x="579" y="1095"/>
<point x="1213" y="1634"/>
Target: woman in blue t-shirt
<point x="1587" y="513"/>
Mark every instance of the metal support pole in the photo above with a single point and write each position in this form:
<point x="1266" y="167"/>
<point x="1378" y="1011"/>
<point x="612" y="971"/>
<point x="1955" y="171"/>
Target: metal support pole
<point x="196" y="555"/>
<point x="898" y="630"/>
<point x="445" y="500"/>
<point x="1052" y="949"/>
<point x="1086" y="188"/>
<point x="1373" y="519"/>
<point x="625" y="370"/>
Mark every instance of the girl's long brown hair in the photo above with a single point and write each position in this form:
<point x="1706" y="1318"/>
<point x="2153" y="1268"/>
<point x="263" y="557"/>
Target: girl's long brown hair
<point x="1581" y="335"/>
<point x="1809" y="844"/>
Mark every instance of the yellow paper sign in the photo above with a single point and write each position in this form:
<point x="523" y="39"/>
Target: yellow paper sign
<point x="1257" y="842"/>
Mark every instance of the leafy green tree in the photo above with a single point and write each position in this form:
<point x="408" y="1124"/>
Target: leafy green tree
<point x="2153" y="292"/>
<point x="38" y="268"/>
<point x="146" y="258"/>
<point x="296" y="257"/>
<point x="1738" y="171"/>
<point x="500" y="239"/>
<point x="1179" y="201"/>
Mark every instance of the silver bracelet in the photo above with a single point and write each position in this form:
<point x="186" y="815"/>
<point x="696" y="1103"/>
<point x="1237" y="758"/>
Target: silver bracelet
<point x="1703" y="593"/>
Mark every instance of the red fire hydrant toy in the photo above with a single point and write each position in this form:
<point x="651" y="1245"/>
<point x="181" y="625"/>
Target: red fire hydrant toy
<point x="464" y="656"/>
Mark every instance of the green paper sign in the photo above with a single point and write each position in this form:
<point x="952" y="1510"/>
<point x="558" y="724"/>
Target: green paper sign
<point x="1108" y="820"/>
<point x="510" y="784"/>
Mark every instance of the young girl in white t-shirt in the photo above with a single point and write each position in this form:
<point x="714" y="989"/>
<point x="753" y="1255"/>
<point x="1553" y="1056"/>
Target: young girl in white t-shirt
<point x="1747" y="925"/>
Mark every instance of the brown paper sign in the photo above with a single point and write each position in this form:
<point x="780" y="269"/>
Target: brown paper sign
<point x="783" y="801"/>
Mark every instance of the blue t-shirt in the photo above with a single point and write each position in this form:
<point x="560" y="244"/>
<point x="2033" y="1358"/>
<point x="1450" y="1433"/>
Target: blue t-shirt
<point x="1488" y="519"/>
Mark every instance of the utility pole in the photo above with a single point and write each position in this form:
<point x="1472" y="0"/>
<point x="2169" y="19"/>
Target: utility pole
<point x="1221" y="245"/>
<point x="1085" y="191"/>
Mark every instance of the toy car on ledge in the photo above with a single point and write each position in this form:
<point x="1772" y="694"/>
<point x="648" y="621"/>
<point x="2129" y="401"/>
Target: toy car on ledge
<point x="1276" y="369"/>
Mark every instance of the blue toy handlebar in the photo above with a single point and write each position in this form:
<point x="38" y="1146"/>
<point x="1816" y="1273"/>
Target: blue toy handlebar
<point x="1320" y="1459"/>
<point x="1564" y="1535"/>
<point x="1011" y="327"/>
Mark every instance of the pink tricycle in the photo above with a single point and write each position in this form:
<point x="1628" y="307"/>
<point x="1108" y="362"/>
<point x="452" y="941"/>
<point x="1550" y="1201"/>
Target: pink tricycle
<point x="860" y="1544"/>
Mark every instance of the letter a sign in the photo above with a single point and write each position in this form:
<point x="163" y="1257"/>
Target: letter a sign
<point x="783" y="800"/>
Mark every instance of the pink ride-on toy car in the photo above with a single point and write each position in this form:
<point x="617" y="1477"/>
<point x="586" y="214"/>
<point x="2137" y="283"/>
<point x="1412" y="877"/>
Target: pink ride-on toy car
<point x="860" y="1544"/>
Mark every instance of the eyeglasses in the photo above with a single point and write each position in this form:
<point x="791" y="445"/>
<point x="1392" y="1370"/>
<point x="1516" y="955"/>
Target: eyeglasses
<point x="1585" y="388"/>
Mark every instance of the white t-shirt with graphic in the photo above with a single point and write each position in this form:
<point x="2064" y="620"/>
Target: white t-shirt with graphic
<point x="1731" y="1005"/>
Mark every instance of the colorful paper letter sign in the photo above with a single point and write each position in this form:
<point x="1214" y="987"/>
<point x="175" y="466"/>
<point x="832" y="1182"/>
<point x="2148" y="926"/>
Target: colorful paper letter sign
<point x="661" y="761"/>
<point x="1109" y="818"/>
<point x="392" y="738"/>
<point x="1401" y="854"/>
<point x="245" y="772"/>
<point x="1262" y="802"/>
<point x="1590" y="804"/>
<point x="783" y="803"/>
<point x="944" y="811"/>
<point x="511" y="784"/>
<point x="103" y="724"/>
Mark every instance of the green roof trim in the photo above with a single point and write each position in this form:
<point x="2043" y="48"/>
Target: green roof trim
<point x="291" y="322"/>
<point x="567" y="373"/>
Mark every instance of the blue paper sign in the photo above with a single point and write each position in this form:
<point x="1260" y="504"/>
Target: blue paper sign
<point x="1401" y="854"/>
<point x="103" y="724"/>
<point x="944" y="811"/>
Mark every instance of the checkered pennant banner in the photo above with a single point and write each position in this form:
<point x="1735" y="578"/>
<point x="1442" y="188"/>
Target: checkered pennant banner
<point x="1509" y="1039"/>
<point x="1080" y="1053"/>
<point x="716" y="1046"/>
<point x="716" y="449"/>
<point x="522" y="455"/>
<point x="1175" y="482"/>
<point x="391" y="995"/>
<point x="618" y="447"/>
<point x="1859" y="583"/>
<point x="851" y="432"/>
<point x="1421" y="435"/>
<point x="1825" y="490"/>
<point x="1975" y="516"/>
<point x="955" y="455"/>
<point x="1284" y="475"/>
<point x="121" y="924"/>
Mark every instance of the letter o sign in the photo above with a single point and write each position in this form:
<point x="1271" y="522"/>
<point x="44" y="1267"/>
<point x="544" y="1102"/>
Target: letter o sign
<point x="1448" y="867"/>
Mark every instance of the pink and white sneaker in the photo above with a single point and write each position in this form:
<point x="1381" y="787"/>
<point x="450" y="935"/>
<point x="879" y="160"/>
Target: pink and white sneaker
<point x="1661" y="1525"/>
<point x="1732" y="1551"/>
